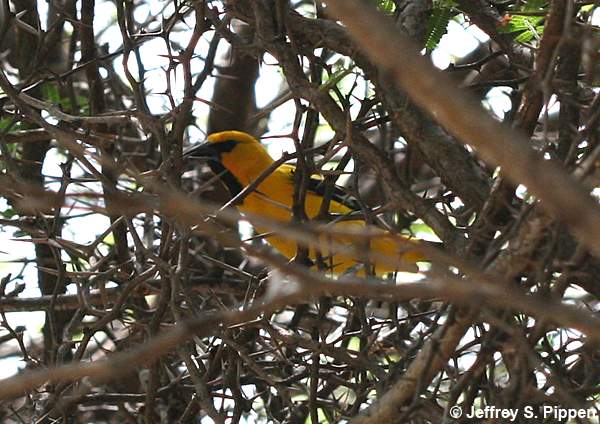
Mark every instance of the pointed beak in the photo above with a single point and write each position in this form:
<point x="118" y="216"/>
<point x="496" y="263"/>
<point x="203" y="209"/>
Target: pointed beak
<point x="204" y="149"/>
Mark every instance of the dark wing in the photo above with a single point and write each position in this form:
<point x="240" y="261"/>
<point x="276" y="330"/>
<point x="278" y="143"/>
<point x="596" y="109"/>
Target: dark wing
<point x="338" y="194"/>
<point x="318" y="187"/>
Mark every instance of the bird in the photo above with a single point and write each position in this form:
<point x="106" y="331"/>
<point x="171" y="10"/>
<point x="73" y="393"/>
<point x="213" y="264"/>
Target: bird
<point x="239" y="159"/>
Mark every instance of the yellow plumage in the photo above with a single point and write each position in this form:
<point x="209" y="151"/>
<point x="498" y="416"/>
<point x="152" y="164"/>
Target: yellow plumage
<point x="246" y="159"/>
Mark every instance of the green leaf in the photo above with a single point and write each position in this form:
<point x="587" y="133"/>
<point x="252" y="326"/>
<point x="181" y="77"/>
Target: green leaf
<point x="387" y="6"/>
<point x="354" y="344"/>
<point x="20" y="233"/>
<point x="587" y="8"/>
<point x="8" y="213"/>
<point x="109" y="239"/>
<point x="437" y="24"/>
<point x="335" y="79"/>
<point x="50" y="93"/>
<point x="4" y="123"/>
<point x="521" y="23"/>
<point x="530" y="34"/>
<point x="10" y="124"/>
<point x="528" y="27"/>
<point x="420" y="227"/>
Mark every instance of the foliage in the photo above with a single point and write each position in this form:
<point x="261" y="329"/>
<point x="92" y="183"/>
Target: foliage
<point x="437" y="24"/>
<point x="525" y="27"/>
<point x="386" y="6"/>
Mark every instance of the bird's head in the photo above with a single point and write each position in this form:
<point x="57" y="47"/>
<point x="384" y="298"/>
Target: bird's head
<point x="219" y="143"/>
<point x="235" y="151"/>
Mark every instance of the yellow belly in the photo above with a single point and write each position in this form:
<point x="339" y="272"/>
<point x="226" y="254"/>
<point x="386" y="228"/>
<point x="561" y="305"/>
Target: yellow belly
<point x="400" y="251"/>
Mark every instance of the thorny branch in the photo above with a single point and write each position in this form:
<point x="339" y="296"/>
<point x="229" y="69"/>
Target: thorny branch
<point x="158" y="307"/>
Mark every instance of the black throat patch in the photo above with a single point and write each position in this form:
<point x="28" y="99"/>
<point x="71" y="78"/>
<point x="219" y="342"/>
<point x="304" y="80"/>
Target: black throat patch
<point x="232" y="183"/>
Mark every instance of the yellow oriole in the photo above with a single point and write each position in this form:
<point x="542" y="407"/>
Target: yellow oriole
<point x="240" y="159"/>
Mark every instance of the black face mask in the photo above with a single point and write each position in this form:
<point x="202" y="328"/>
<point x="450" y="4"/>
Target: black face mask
<point x="209" y="150"/>
<point x="212" y="152"/>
